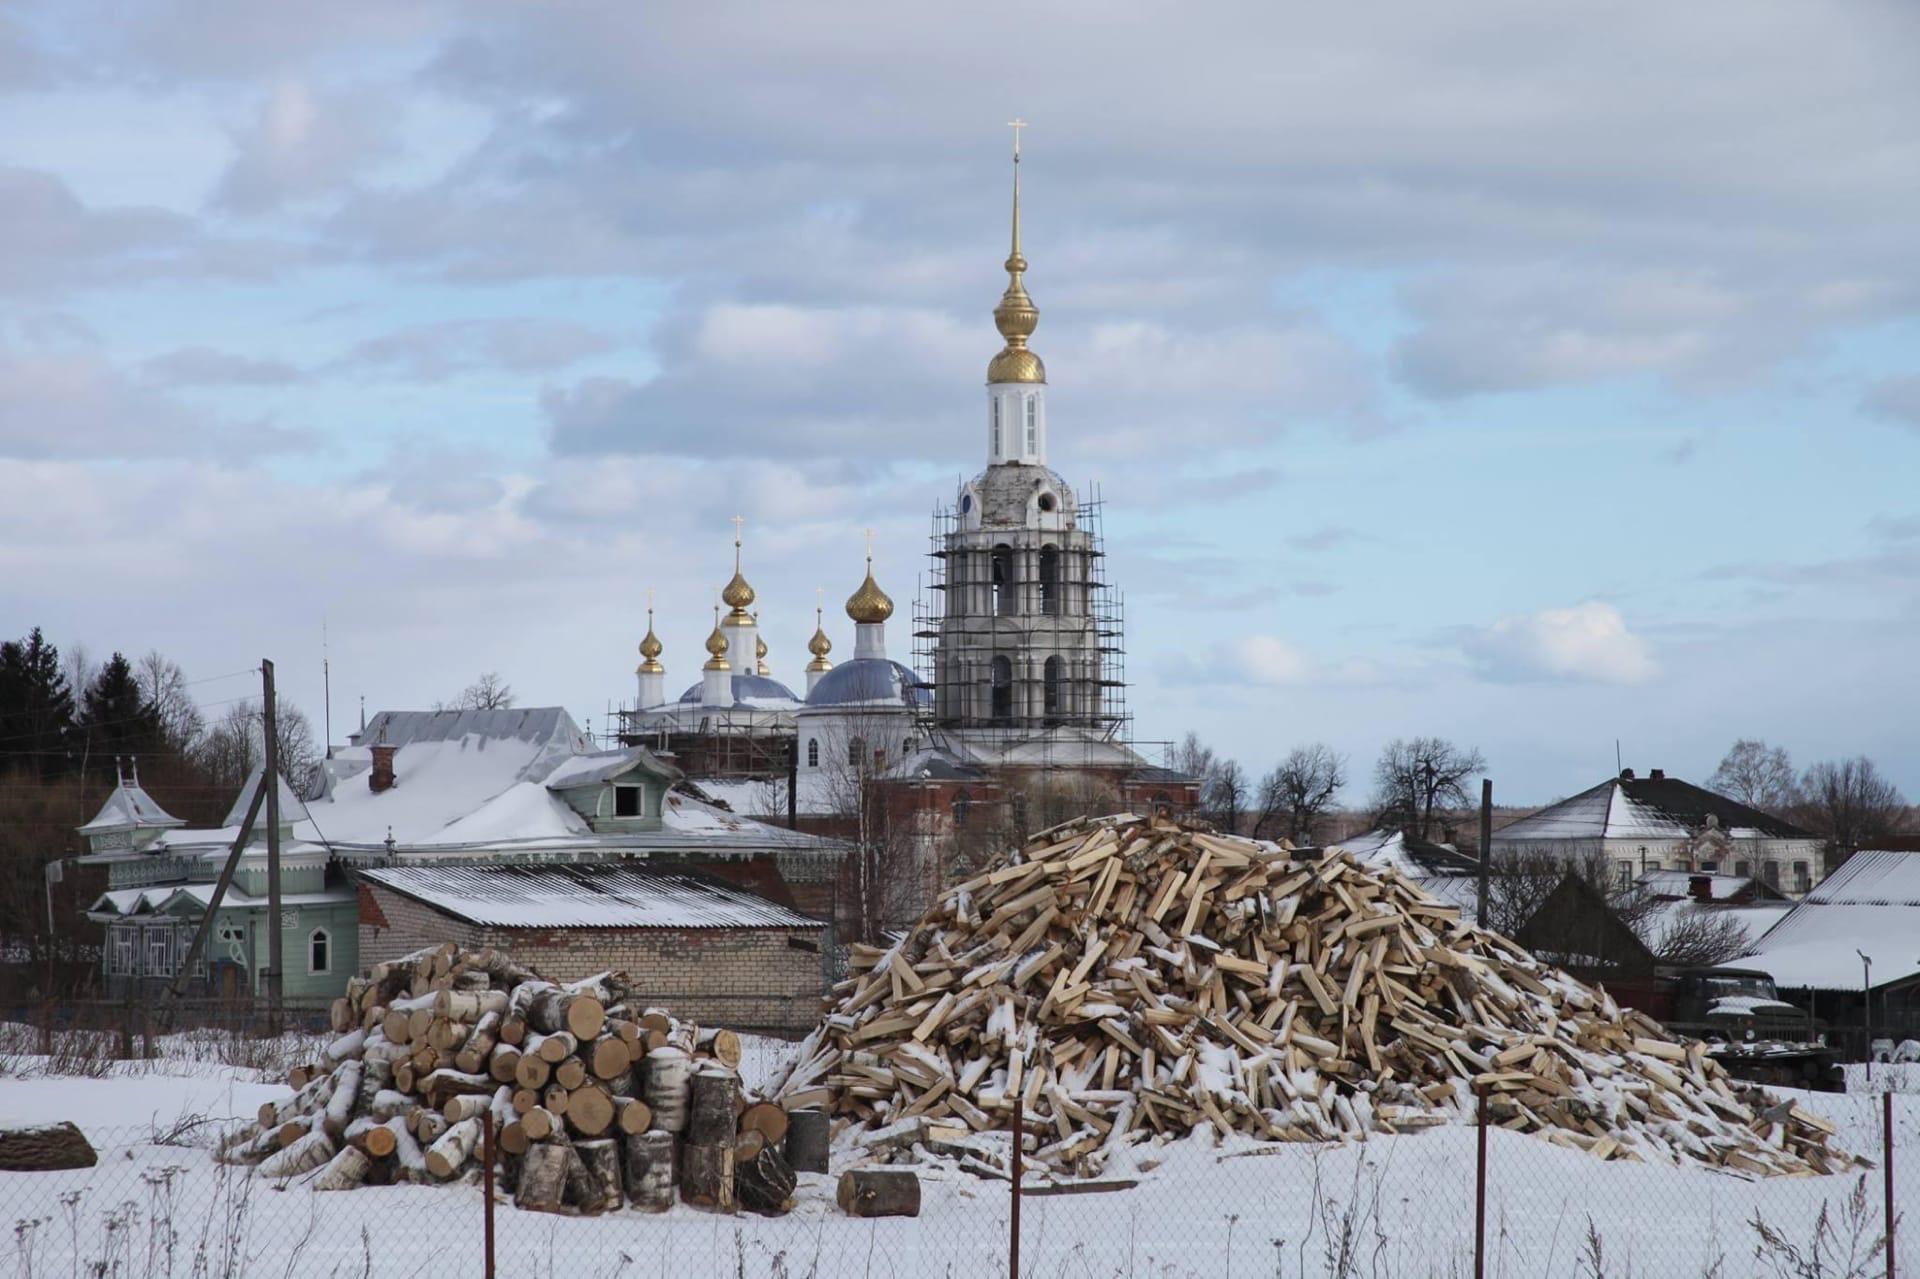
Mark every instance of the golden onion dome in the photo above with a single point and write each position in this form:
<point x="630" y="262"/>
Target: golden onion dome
<point x="650" y="650"/>
<point x="760" y="655"/>
<point x="869" y="604"/>
<point x="1016" y="317"/>
<point x="717" y="647"/>
<point x="819" y="646"/>
<point x="737" y="594"/>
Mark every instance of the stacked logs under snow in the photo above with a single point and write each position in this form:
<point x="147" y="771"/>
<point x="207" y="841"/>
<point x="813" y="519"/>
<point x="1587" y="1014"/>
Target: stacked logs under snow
<point x="595" y="1100"/>
<point x="1129" y="979"/>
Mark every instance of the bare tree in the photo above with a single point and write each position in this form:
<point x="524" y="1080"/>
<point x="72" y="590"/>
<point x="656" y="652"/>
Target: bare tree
<point x="1695" y="936"/>
<point x="1758" y="775"/>
<point x="1414" y="777"/>
<point x="891" y="873"/>
<point x="1194" y="758"/>
<point x="1296" y="794"/>
<point x="234" y="746"/>
<point x="164" y="685"/>
<point x="487" y="693"/>
<point x="1850" y="803"/>
<point x="1225" y="796"/>
<point x="1521" y="881"/>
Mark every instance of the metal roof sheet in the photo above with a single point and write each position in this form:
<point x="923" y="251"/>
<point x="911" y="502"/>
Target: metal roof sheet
<point x="584" y="896"/>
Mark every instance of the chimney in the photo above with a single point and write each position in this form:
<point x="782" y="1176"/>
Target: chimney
<point x="380" y="780"/>
<point x="1626" y="774"/>
<point x="1700" y="887"/>
<point x="1658" y="775"/>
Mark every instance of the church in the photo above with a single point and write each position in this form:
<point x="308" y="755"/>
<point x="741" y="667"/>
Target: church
<point x="1007" y="699"/>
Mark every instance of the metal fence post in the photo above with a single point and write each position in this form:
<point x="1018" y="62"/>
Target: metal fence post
<point x="486" y="1175"/>
<point x="1886" y="1163"/>
<point x="1013" y="1242"/>
<point x="1480" y="1190"/>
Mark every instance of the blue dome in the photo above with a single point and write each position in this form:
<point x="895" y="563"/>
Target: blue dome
<point x="749" y="690"/>
<point x="868" y="680"/>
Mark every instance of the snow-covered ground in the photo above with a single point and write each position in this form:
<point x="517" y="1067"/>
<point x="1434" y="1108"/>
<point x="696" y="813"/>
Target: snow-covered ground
<point x="1399" y="1206"/>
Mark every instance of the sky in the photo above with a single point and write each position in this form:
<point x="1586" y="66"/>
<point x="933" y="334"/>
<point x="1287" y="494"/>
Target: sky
<point x="1540" y="377"/>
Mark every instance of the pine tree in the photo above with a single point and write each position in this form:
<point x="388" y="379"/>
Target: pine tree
<point x="36" y="706"/>
<point x="115" y="716"/>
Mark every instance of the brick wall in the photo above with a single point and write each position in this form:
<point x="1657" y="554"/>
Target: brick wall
<point x="766" y="979"/>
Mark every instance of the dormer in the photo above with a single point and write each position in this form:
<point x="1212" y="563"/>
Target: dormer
<point x="616" y="791"/>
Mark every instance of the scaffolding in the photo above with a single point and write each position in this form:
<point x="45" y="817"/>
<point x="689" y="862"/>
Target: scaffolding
<point x="1020" y="634"/>
<point x="714" y="742"/>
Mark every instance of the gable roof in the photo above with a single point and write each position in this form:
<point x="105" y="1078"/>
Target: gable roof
<point x="1870" y="905"/>
<point x="1409" y="856"/>
<point x="1629" y="807"/>
<point x="584" y="896"/>
<point x="129" y="808"/>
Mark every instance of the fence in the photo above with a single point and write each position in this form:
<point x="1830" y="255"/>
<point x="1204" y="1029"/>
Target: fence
<point x="1450" y="1202"/>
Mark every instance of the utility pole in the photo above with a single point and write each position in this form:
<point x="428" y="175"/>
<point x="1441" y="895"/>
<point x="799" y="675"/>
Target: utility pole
<point x="270" y="785"/>
<point x="1486" y="846"/>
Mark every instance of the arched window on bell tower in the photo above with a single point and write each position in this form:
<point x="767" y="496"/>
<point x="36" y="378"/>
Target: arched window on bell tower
<point x="1003" y="590"/>
<point x="1050" y="580"/>
<point x="1002" y="689"/>
<point x="1054" y="691"/>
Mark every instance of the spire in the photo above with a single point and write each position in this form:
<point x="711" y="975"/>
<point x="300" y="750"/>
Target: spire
<point x="651" y="647"/>
<point x="819" y="645"/>
<point x="869" y="605"/>
<point x="737" y="593"/>
<point x="1016" y="316"/>
<point x="716" y="645"/>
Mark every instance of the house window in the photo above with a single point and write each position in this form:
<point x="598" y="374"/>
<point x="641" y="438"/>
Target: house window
<point x="627" y="801"/>
<point x="1623" y="871"/>
<point x="813" y="752"/>
<point x="1002" y="688"/>
<point x="319" y="951"/>
<point x="1049" y="580"/>
<point x="1770" y="872"/>
<point x="159" y="952"/>
<point x="856" y="751"/>
<point x="996" y="426"/>
<point x="1033" y="424"/>
<point x="1743" y="868"/>
<point x="1802" y="877"/>
<point x="125" y="951"/>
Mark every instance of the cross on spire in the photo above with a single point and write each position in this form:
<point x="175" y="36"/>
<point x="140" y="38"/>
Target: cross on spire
<point x="1016" y="124"/>
<point x="869" y="550"/>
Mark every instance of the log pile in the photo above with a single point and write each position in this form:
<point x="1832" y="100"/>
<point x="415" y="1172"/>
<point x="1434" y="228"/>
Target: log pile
<point x="595" y="1099"/>
<point x="1127" y="980"/>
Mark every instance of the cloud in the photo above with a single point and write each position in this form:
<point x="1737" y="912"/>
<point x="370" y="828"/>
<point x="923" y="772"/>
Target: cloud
<point x="1325" y="538"/>
<point x="305" y="143"/>
<point x="53" y="240"/>
<point x="1896" y="400"/>
<point x="205" y="366"/>
<point x="1588" y="642"/>
<point x="435" y="352"/>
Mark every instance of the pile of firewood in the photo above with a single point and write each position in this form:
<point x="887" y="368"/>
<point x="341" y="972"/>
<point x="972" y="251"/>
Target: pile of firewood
<point x="1128" y="979"/>
<point x="595" y="1100"/>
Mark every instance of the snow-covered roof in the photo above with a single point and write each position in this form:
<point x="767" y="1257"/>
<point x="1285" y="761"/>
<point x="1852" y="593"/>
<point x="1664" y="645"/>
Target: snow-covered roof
<point x="129" y="808"/>
<point x="870" y="681"/>
<point x="1415" y="857"/>
<point x="592" y="769"/>
<point x="584" y="896"/>
<point x="128" y="902"/>
<point x="758" y="692"/>
<point x="292" y="808"/>
<point x="1870" y="905"/>
<point x="1680" y="883"/>
<point x="1651" y="808"/>
<point x="548" y="726"/>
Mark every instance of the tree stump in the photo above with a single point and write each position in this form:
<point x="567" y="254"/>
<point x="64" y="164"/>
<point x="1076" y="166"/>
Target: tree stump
<point x="648" y="1169"/>
<point x="543" y="1177"/>
<point x="808" y="1134"/>
<point x="601" y="1160"/>
<point x="765" y="1183"/>
<point x="713" y="1106"/>
<point x="45" y="1148"/>
<point x="879" y="1192"/>
<point x="706" y="1176"/>
<point x="668" y="1073"/>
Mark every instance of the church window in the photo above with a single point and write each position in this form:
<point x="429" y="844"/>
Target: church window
<point x="813" y="752"/>
<point x="1002" y="688"/>
<point x="1049" y="579"/>
<point x="1003" y="579"/>
<point x="996" y="426"/>
<point x="962" y="801"/>
<point x="1054" y="687"/>
<point x="626" y="801"/>
<point x="1033" y="424"/>
<point x="319" y="951"/>
<point x="856" y="751"/>
<point x="1045" y="502"/>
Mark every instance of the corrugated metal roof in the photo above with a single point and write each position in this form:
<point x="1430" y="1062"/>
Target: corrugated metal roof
<point x="1870" y="905"/>
<point x="584" y="896"/>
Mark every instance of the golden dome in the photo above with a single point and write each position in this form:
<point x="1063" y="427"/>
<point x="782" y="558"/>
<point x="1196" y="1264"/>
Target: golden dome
<point x="717" y="646"/>
<point x="1016" y="317"/>
<point x="650" y="650"/>
<point x="737" y="594"/>
<point x="869" y="604"/>
<point x="760" y="655"/>
<point x="819" y="646"/>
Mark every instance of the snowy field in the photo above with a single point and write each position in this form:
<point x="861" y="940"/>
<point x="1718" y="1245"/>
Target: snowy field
<point x="1392" y="1206"/>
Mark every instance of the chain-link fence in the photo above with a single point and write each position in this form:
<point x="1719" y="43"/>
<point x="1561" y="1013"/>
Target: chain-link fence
<point x="1443" y="1202"/>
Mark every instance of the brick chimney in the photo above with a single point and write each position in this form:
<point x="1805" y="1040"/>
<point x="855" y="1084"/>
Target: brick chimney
<point x="1658" y="775"/>
<point x="1700" y="887"/>
<point x="1626" y="774"/>
<point x="381" y="778"/>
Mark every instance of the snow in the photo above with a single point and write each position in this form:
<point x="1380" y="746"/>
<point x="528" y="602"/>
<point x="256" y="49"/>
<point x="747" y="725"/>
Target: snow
<point x="1200" y="1209"/>
<point x="525" y="810"/>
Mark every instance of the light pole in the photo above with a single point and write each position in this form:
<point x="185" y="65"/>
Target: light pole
<point x="1866" y="1004"/>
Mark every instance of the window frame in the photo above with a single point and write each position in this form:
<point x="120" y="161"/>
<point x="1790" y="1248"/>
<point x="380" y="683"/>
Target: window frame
<point x="123" y="950"/>
<point x="813" y="752"/>
<point x="324" y="936"/>
<point x="157" y="952"/>
<point x="639" y="794"/>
